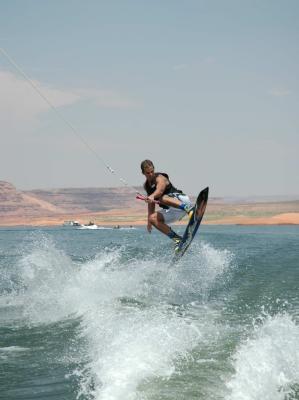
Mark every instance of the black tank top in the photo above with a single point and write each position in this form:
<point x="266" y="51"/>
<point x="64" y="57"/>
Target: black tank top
<point x="168" y="190"/>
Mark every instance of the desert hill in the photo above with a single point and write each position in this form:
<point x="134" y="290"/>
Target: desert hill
<point x="53" y="206"/>
<point x="86" y="199"/>
<point x="118" y="206"/>
<point x="15" y="202"/>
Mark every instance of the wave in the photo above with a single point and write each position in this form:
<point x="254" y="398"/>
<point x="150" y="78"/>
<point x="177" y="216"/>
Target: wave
<point x="140" y="317"/>
<point x="267" y="364"/>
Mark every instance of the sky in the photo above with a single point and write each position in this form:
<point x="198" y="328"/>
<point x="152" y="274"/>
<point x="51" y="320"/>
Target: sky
<point x="208" y="90"/>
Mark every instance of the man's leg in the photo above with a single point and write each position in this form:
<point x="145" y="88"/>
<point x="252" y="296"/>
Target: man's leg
<point x="176" y="203"/>
<point x="157" y="220"/>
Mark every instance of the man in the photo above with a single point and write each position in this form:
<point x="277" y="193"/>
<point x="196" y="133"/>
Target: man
<point x="174" y="204"/>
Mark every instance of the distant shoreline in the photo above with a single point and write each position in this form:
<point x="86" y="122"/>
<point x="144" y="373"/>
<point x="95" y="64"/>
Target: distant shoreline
<point x="123" y="220"/>
<point x="117" y="206"/>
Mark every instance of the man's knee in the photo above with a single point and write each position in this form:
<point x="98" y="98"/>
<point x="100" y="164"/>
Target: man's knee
<point x="155" y="218"/>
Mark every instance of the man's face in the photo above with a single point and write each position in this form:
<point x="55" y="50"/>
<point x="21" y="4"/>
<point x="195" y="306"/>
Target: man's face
<point x="149" y="173"/>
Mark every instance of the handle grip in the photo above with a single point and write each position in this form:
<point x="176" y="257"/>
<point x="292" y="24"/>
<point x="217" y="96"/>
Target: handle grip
<point x="142" y="197"/>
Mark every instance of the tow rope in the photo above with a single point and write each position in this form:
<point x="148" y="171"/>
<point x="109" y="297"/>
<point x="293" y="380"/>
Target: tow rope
<point x="66" y="122"/>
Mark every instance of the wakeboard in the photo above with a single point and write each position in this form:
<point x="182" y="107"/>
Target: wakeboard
<point x="193" y="224"/>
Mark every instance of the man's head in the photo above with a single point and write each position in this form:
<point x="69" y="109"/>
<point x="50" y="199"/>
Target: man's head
<point x="148" y="169"/>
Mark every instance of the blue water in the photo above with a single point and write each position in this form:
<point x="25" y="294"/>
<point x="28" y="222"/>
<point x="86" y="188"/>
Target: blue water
<point x="102" y="314"/>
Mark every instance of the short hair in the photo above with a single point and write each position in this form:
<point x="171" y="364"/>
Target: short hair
<point x="145" y="164"/>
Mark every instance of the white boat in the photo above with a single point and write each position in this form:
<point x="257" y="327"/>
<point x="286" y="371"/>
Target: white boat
<point x="90" y="225"/>
<point x="71" y="223"/>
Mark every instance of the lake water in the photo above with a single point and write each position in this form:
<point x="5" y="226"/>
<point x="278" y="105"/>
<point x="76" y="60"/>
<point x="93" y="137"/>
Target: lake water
<point x="102" y="314"/>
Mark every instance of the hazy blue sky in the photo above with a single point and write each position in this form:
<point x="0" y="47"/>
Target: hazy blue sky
<point x="206" y="89"/>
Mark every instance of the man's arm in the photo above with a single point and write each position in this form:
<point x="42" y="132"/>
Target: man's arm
<point x="161" y="186"/>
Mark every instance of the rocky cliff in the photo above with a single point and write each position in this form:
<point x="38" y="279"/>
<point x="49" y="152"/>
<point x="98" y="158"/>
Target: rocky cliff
<point x="24" y="207"/>
<point x="16" y="203"/>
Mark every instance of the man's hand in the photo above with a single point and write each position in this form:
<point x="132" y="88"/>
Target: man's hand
<point x="149" y="226"/>
<point x="150" y="199"/>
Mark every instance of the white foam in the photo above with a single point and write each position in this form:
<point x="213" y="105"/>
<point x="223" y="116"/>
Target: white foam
<point x="130" y="346"/>
<point x="7" y="353"/>
<point x="201" y="270"/>
<point x="132" y="331"/>
<point x="13" y="349"/>
<point x="45" y="274"/>
<point x="267" y="364"/>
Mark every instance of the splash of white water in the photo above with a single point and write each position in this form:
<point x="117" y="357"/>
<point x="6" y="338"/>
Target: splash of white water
<point x="267" y="364"/>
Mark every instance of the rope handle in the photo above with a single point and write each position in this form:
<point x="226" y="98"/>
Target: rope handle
<point x="142" y="197"/>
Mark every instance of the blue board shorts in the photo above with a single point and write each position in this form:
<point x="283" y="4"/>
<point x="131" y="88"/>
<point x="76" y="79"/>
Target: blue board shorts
<point x="172" y="214"/>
